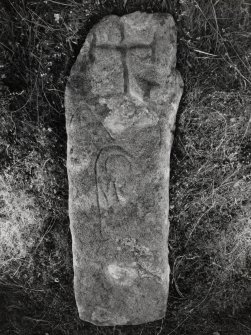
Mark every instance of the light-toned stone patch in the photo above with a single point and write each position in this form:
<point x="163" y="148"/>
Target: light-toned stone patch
<point x="122" y="274"/>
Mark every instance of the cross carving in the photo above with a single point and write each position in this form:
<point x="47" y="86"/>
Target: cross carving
<point x="124" y="47"/>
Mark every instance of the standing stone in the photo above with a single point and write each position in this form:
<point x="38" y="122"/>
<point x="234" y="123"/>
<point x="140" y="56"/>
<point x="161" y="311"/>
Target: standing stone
<point x="121" y="102"/>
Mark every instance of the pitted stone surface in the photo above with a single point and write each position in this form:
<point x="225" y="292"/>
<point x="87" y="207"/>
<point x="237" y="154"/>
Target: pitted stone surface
<point x="121" y="102"/>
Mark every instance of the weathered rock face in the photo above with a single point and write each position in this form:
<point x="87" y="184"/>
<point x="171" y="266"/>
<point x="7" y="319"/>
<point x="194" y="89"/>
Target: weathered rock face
<point x="121" y="102"/>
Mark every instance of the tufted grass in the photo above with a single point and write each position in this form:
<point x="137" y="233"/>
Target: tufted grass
<point x="210" y="188"/>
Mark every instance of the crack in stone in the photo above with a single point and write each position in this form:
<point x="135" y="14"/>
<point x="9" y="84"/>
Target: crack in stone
<point x="149" y="273"/>
<point x="153" y="48"/>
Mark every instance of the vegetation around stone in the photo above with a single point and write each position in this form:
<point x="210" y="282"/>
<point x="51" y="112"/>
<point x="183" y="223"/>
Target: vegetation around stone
<point x="210" y="188"/>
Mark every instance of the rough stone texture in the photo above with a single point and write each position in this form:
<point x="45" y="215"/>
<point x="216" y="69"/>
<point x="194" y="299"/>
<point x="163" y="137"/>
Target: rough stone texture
<point x="121" y="102"/>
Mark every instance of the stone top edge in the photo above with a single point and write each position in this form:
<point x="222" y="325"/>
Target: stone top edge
<point x="154" y="32"/>
<point x="136" y="20"/>
<point x="141" y="16"/>
<point x="138" y="13"/>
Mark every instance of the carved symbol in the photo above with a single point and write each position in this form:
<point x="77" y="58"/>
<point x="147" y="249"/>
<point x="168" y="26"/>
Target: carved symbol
<point x="113" y="170"/>
<point x="124" y="48"/>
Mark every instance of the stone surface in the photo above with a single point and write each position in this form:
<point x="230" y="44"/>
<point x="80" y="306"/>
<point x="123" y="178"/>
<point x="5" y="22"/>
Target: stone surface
<point x="121" y="102"/>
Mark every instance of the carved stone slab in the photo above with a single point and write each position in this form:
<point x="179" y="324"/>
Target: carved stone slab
<point x="121" y="102"/>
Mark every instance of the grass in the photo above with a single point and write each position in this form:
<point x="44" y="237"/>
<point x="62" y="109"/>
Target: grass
<point x="210" y="189"/>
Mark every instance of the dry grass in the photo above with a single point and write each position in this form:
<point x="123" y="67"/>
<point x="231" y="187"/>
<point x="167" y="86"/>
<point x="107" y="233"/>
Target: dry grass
<point x="212" y="207"/>
<point x="20" y="222"/>
<point x="210" y="237"/>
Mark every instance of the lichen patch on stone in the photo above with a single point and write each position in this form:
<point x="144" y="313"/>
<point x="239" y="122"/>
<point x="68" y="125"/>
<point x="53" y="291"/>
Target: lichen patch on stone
<point x="122" y="274"/>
